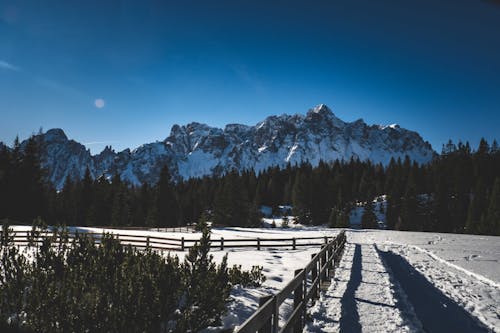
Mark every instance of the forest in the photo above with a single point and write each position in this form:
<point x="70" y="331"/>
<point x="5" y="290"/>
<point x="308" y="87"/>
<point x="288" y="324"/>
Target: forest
<point x="459" y="191"/>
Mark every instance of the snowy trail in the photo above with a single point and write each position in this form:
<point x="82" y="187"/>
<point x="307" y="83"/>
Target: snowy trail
<point x="362" y="298"/>
<point x="383" y="286"/>
<point x="477" y="295"/>
<point x="437" y="312"/>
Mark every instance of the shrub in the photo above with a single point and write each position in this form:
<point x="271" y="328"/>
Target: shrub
<point x="252" y="278"/>
<point x="87" y="285"/>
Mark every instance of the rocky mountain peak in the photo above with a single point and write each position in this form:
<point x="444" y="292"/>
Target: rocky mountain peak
<point x="322" y="113"/>
<point x="196" y="149"/>
<point x="55" y="134"/>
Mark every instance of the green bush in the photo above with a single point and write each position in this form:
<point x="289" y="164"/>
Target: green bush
<point x="84" y="285"/>
<point x="252" y="278"/>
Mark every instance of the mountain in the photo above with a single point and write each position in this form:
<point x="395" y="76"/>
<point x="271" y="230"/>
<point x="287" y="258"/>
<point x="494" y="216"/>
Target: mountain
<point x="195" y="150"/>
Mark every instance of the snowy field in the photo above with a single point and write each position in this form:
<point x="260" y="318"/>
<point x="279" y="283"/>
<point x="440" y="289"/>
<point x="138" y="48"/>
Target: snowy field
<point x="387" y="281"/>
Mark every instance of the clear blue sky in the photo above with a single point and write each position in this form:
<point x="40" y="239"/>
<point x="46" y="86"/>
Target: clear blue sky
<point x="431" y="66"/>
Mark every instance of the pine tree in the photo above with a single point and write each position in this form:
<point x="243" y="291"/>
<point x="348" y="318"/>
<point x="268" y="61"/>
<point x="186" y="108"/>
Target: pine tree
<point x="167" y="205"/>
<point x="332" y="219"/>
<point x="491" y="224"/>
<point x="369" y="219"/>
<point x="207" y="288"/>
<point x="31" y="183"/>
<point x="477" y="207"/>
<point x="301" y="197"/>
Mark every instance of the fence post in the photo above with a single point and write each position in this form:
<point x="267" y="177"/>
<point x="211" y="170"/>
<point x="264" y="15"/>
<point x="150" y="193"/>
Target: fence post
<point x="182" y="243"/>
<point x="147" y="242"/>
<point x="268" y="326"/>
<point x="324" y="258"/>
<point x="326" y="239"/>
<point x="222" y="243"/>
<point x="330" y="260"/>
<point x="314" y="275"/>
<point x="298" y="296"/>
<point x="294" y="243"/>
<point x="258" y="244"/>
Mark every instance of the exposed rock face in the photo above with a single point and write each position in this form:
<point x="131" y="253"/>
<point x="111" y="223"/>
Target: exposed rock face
<point x="195" y="150"/>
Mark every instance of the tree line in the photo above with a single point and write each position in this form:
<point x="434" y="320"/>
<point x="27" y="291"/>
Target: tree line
<point x="458" y="191"/>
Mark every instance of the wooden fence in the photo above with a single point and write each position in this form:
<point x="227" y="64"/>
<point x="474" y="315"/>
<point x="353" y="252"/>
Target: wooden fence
<point x="304" y="288"/>
<point x="159" y="242"/>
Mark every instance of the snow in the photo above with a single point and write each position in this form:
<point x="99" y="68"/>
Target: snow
<point x="196" y="150"/>
<point x="464" y="270"/>
<point x="459" y="273"/>
<point x="361" y="299"/>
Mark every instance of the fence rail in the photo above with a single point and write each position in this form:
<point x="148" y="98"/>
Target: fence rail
<point x="304" y="288"/>
<point x="159" y="242"/>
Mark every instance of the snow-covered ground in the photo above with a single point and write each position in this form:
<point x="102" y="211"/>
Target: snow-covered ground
<point x="391" y="281"/>
<point x="387" y="281"/>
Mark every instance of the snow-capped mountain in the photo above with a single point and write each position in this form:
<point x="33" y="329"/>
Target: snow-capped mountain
<point x="196" y="149"/>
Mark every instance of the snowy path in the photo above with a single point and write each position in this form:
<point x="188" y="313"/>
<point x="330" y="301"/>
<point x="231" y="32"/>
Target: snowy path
<point x="362" y="297"/>
<point x="382" y="286"/>
<point x="477" y="295"/>
<point x="436" y="312"/>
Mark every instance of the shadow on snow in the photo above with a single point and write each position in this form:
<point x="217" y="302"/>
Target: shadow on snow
<point x="436" y="312"/>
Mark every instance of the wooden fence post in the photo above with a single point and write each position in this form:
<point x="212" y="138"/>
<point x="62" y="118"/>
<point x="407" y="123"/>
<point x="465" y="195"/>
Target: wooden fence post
<point x="326" y="240"/>
<point x="314" y="275"/>
<point x="147" y="242"/>
<point x="324" y="257"/>
<point x="294" y="243"/>
<point x="268" y="326"/>
<point x="222" y="243"/>
<point x="330" y="260"/>
<point x="258" y="244"/>
<point x="182" y="243"/>
<point x="298" y="297"/>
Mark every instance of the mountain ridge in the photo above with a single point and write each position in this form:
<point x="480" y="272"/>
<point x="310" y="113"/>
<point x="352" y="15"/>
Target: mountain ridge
<point x="196" y="149"/>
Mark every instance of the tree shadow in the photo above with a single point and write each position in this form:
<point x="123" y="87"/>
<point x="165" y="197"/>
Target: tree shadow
<point x="436" y="312"/>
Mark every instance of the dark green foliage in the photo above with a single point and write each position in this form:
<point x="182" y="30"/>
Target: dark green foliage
<point x="232" y="206"/>
<point x="369" y="219"/>
<point x="252" y="278"/>
<point x="167" y="204"/>
<point x="301" y="196"/>
<point x="79" y="286"/>
<point x="207" y="288"/>
<point x="202" y="223"/>
<point x="491" y="221"/>
<point x="338" y="218"/>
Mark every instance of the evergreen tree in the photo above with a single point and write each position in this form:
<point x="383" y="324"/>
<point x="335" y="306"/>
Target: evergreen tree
<point x="409" y="207"/>
<point x="167" y="205"/>
<point x="301" y="197"/>
<point x="491" y="223"/>
<point x="369" y="219"/>
<point x="232" y="206"/>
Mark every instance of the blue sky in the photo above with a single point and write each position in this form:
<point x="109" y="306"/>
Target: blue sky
<point x="430" y="66"/>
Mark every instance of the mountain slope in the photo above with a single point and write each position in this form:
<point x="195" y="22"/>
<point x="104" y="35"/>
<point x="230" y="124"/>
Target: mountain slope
<point x="195" y="150"/>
